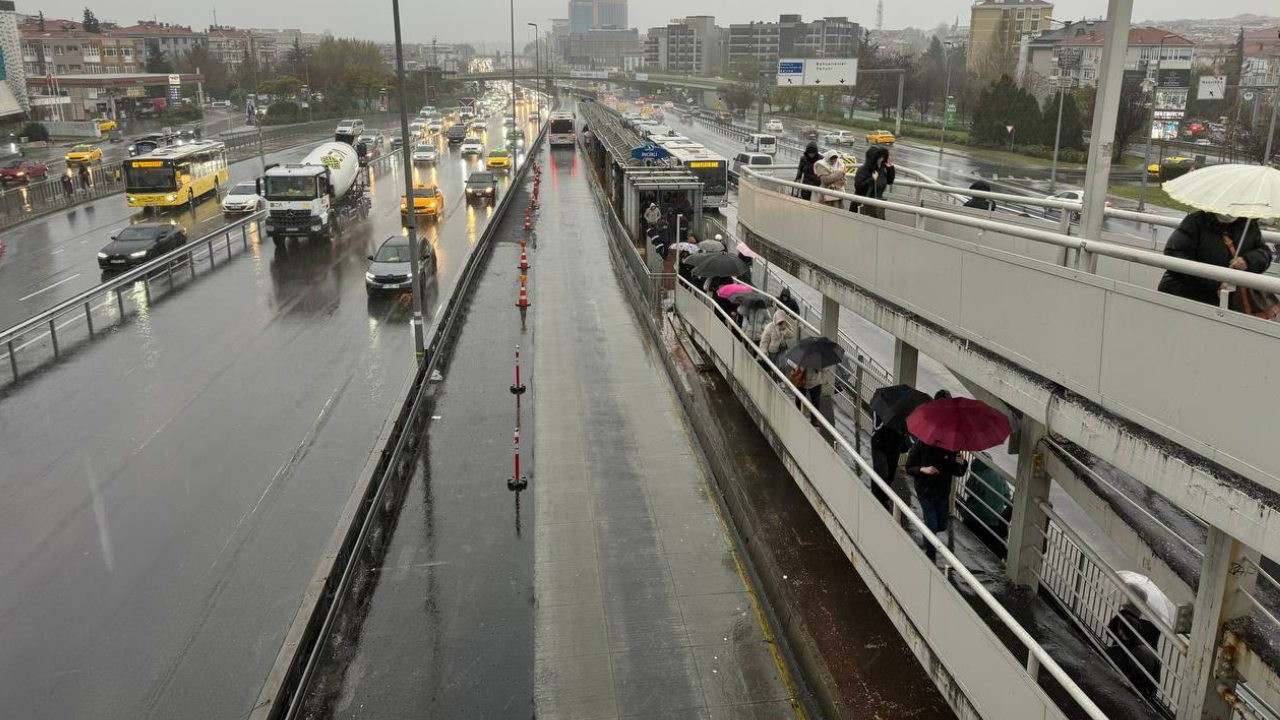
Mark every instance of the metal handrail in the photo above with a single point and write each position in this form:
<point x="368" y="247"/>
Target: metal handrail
<point x="1038" y="657"/>
<point x="1094" y="247"/>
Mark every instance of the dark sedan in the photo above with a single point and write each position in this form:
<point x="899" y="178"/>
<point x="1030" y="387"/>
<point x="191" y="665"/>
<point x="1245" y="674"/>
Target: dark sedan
<point x="22" y="171"/>
<point x="139" y="243"/>
<point x="389" y="267"/>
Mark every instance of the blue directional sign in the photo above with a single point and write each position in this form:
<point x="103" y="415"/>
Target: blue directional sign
<point x="791" y="72"/>
<point x="649" y="151"/>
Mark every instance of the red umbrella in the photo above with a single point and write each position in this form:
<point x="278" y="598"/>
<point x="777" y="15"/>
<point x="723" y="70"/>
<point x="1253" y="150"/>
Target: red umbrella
<point x="958" y="424"/>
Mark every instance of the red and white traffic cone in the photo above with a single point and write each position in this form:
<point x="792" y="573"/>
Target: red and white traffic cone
<point x="517" y="482"/>
<point x="528" y="219"/>
<point x="518" y="388"/>
<point x="524" y="261"/>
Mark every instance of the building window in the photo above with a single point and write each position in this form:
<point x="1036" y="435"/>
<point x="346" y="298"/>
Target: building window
<point x="109" y="51"/>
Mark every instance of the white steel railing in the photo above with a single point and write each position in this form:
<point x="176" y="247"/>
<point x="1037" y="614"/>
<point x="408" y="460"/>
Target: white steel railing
<point x="1037" y="658"/>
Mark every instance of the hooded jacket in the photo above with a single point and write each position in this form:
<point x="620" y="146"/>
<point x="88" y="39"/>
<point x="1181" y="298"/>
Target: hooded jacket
<point x="778" y="334"/>
<point x="806" y="173"/>
<point x="980" y="202"/>
<point x="1200" y="237"/>
<point x="862" y="182"/>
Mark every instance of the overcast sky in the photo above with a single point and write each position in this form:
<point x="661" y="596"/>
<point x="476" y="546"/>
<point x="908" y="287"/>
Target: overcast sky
<point x="485" y="20"/>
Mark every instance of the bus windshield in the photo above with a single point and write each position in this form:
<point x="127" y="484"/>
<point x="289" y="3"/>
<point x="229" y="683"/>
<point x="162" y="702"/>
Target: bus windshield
<point x="149" y="176"/>
<point x="291" y="187"/>
<point x="715" y="181"/>
<point x="560" y="125"/>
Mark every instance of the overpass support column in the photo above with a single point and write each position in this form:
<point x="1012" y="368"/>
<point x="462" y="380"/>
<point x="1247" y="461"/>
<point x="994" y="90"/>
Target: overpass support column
<point x="906" y="358"/>
<point x="830" y="319"/>
<point x="1227" y="569"/>
<point x="1029" y="524"/>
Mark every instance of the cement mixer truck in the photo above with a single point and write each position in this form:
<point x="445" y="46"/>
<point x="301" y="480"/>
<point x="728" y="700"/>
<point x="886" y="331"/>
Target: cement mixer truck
<point x="316" y="197"/>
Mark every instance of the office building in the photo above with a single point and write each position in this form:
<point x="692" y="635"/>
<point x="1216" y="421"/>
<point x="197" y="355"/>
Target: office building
<point x="692" y="45"/>
<point x="587" y="15"/>
<point x="996" y="30"/>
<point x="602" y="49"/>
<point x="15" y="76"/>
<point x="791" y="35"/>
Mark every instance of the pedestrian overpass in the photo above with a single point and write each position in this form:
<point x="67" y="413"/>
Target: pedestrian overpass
<point x="1103" y="377"/>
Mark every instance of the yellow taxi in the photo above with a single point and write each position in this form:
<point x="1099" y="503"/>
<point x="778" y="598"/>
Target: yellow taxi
<point x="498" y="159"/>
<point x="83" y="154"/>
<point x="1154" y="168"/>
<point x="880" y="137"/>
<point x="427" y="201"/>
<point x="106" y="125"/>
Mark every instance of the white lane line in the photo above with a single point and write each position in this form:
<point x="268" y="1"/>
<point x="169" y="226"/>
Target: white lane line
<point x="64" y="280"/>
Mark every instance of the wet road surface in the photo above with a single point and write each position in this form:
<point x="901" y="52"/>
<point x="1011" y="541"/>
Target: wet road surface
<point x="168" y="488"/>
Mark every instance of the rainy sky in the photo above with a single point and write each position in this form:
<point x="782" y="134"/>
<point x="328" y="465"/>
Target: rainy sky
<point x="479" y="21"/>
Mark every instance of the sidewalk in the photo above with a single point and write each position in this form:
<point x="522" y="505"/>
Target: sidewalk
<point x="642" y="604"/>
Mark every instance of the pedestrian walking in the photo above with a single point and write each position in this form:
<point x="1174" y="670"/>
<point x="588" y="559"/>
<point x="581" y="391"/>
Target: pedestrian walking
<point x="981" y="203"/>
<point x="83" y="172"/>
<point x="68" y="188"/>
<point x="778" y="335"/>
<point x="888" y="442"/>
<point x="874" y="176"/>
<point x="1225" y="241"/>
<point x="785" y="298"/>
<point x="652" y="214"/>
<point x="806" y="173"/>
<point x="933" y="470"/>
<point x="831" y="172"/>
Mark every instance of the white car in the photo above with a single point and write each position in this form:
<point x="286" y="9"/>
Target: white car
<point x="434" y="125"/>
<point x="425" y="153"/>
<point x="839" y="137"/>
<point x="374" y="140"/>
<point x="774" y="125"/>
<point x="242" y="198"/>
<point x="472" y="146"/>
<point x="479" y="126"/>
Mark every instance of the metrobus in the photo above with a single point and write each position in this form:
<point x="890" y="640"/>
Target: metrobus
<point x="560" y="129"/>
<point x="172" y="176"/>
<point x="708" y="167"/>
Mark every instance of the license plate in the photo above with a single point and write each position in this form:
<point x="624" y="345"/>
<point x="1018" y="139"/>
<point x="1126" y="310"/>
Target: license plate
<point x="117" y="262"/>
<point x="291" y="229"/>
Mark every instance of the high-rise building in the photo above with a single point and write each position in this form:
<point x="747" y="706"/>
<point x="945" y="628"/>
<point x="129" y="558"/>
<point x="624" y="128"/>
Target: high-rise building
<point x="587" y="15"/>
<point x="15" y="75"/>
<point x="767" y="41"/>
<point x="602" y="49"/>
<point x="996" y="30"/>
<point x="692" y="45"/>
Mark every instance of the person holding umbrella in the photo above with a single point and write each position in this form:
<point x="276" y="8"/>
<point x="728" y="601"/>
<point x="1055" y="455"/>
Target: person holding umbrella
<point x="809" y="366"/>
<point x="891" y="405"/>
<point x="944" y="427"/>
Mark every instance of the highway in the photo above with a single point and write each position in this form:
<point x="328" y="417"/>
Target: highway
<point x="168" y="488"/>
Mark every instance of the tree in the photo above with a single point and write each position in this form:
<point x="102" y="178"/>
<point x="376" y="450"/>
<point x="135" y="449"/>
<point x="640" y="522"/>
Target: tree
<point x="1131" y="118"/>
<point x="217" y="80"/>
<point x="158" y="62"/>
<point x="90" y="23"/>
<point x="1001" y="105"/>
<point x="738" y="96"/>
<point x="281" y="86"/>
<point x="1072" y="135"/>
<point x="930" y="76"/>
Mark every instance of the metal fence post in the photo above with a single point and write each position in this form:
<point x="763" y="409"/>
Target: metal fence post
<point x="53" y="335"/>
<point x="13" y="360"/>
<point x="88" y="318"/>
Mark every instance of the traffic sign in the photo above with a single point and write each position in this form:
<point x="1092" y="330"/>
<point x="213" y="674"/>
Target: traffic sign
<point x="951" y="109"/>
<point x="649" y="151"/>
<point x="791" y="72"/>
<point x="1212" y="87"/>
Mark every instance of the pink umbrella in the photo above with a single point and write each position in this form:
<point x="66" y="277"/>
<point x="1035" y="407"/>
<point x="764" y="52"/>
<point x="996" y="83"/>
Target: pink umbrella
<point x="745" y="251"/>
<point x="732" y="289"/>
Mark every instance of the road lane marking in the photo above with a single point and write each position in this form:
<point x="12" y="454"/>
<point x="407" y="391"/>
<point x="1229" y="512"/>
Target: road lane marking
<point x="65" y="280"/>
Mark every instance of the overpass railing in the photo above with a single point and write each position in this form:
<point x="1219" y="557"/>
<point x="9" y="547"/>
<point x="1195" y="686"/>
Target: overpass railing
<point x="998" y="683"/>
<point x="1043" y="304"/>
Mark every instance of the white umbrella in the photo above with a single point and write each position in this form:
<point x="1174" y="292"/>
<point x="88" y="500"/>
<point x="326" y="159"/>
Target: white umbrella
<point x="1251" y="191"/>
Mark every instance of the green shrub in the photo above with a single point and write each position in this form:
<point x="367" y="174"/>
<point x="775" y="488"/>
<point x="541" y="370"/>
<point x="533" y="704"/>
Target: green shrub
<point x="282" y="112"/>
<point x="183" y="112"/>
<point x="34" y="131"/>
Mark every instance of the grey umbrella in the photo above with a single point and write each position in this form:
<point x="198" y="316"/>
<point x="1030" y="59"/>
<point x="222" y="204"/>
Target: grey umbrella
<point x="717" y="264"/>
<point x="711" y="246"/>
<point x="753" y="299"/>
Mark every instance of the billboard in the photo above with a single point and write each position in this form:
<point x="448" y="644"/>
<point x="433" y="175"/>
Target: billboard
<point x="1167" y="78"/>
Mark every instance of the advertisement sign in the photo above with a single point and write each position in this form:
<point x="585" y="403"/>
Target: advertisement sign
<point x="1173" y="78"/>
<point x="589" y="74"/>
<point x="1212" y="87"/>
<point x="642" y="76"/>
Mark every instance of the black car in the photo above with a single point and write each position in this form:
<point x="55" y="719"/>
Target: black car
<point x="456" y="134"/>
<point x="482" y="186"/>
<point x="389" y="268"/>
<point x="139" y="243"/>
<point x="397" y="142"/>
<point x="147" y="143"/>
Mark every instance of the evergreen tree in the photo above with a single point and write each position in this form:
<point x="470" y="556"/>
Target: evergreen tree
<point x="91" y="23"/>
<point x="1072" y="135"/>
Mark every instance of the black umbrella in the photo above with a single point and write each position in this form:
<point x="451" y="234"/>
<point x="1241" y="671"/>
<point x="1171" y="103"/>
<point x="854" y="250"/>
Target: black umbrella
<point x="814" y="353"/>
<point x="893" y="403"/>
<point x="717" y="264"/>
<point x="753" y="299"/>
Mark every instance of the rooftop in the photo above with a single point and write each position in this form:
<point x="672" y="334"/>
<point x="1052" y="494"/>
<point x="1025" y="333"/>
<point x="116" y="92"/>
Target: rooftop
<point x="1138" y="37"/>
<point x="1021" y="3"/>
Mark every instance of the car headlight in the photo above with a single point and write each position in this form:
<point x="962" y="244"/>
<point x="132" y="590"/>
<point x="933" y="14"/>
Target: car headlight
<point x="102" y="256"/>
<point x="170" y="197"/>
<point x="368" y="276"/>
<point x="21" y="174"/>
<point x="488" y="191"/>
<point x="471" y="191"/>
<point x="138" y="254"/>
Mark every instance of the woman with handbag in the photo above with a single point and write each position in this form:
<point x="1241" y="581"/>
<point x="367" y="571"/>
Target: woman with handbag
<point x="1225" y="241"/>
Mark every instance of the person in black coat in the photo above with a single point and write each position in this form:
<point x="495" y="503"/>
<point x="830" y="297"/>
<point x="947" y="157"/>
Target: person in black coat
<point x="887" y="445"/>
<point x="981" y="203"/>
<point x="873" y="177"/>
<point x="1211" y="239"/>
<point x="806" y="173"/>
<point x="932" y="468"/>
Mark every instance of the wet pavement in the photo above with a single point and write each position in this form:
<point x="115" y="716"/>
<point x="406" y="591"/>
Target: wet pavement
<point x="168" y="487"/>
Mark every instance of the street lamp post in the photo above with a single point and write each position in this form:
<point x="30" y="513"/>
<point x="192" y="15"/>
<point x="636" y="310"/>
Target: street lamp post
<point x="406" y="159"/>
<point x="1151" y="121"/>
<point x="946" y="99"/>
<point x="1057" y="137"/>
<point x="513" y="61"/>
<point x="537" y="70"/>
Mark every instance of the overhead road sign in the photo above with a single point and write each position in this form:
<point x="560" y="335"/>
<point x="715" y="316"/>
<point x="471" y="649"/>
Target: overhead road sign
<point x="817" y="72"/>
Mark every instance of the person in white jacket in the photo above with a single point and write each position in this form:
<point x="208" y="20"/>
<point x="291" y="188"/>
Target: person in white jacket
<point x="831" y="174"/>
<point x="778" y="335"/>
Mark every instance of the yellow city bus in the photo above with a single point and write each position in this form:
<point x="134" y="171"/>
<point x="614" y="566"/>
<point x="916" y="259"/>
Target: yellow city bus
<point x="176" y="175"/>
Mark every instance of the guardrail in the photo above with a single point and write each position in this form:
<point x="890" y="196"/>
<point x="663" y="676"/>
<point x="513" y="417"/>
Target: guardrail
<point x="284" y="691"/>
<point x="46" y="324"/>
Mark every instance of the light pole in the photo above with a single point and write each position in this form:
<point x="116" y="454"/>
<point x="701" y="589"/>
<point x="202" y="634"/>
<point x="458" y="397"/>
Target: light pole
<point x="1057" y="136"/>
<point x="406" y="160"/>
<point x="946" y="100"/>
<point x="513" y="62"/>
<point x="537" y="71"/>
<point x="1151" y="121"/>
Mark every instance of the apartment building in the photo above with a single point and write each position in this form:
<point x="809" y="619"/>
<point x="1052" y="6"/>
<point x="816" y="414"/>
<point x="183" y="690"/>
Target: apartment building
<point x="791" y="36"/>
<point x="996" y="30"/>
<point x="64" y="47"/>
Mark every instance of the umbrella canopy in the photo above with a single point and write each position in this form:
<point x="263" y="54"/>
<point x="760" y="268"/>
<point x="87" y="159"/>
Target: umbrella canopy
<point x="745" y="251"/>
<point x="717" y="264"/>
<point x="814" y="353"/>
<point x="685" y="247"/>
<point x="752" y="299"/>
<point x="958" y="424"/>
<point x="1251" y="191"/>
<point x="893" y="403"/>
<point x="711" y="246"/>
<point x="725" y="291"/>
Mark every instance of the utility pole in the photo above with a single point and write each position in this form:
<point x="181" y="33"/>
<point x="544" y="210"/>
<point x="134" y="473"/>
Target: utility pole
<point x="1107" y="106"/>
<point x="1057" y="139"/>
<point x="537" y="70"/>
<point x="406" y="160"/>
<point x="1151" y="121"/>
<point x="946" y="100"/>
<point x="513" y="61"/>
